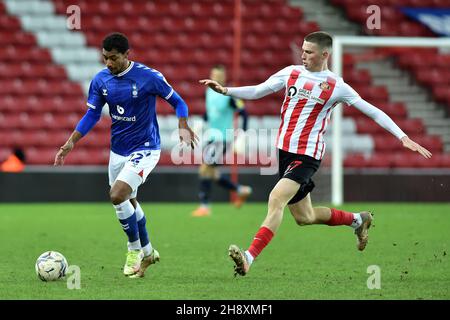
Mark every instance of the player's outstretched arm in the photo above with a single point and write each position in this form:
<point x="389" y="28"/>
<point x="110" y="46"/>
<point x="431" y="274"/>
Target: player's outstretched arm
<point x="83" y="127"/>
<point x="214" y="85"/>
<point x="66" y="148"/>
<point x="386" y="122"/>
<point x="186" y="134"/>
<point x="414" y="146"/>
<point x="247" y="92"/>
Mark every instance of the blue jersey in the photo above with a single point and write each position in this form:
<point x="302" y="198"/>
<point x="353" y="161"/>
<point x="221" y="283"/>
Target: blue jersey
<point x="131" y="96"/>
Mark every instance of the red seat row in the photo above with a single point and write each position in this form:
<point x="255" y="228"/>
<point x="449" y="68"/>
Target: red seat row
<point x="40" y="104"/>
<point x="387" y="143"/>
<point x="39" y="87"/>
<point x="393" y="3"/>
<point x="26" y="70"/>
<point x="79" y="156"/>
<point x="398" y="160"/>
<point x="396" y="110"/>
<point x="266" y="9"/>
<point x="409" y="126"/>
<point x="21" y="53"/>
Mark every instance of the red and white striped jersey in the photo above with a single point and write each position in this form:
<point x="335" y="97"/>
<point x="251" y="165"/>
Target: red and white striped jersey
<point x="306" y="109"/>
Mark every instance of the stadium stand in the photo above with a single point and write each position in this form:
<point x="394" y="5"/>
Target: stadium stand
<point x="52" y="69"/>
<point x="427" y="68"/>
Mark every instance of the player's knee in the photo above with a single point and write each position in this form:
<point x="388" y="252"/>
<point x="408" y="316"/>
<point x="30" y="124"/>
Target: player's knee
<point x="117" y="197"/>
<point x="276" y="201"/>
<point x="305" y="219"/>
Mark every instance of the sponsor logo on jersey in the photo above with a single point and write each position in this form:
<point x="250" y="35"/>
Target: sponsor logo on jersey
<point x="304" y="94"/>
<point x="120" y="118"/>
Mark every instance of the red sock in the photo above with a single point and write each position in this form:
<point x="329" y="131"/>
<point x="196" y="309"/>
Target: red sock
<point x="260" y="241"/>
<point x="339" y="218"/>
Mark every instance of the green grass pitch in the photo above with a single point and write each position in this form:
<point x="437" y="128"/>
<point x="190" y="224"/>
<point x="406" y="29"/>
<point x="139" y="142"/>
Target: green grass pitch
<point x="410" y="243"/>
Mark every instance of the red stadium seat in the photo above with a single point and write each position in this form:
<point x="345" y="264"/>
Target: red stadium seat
<point x="444" y="160"/>
<point x="380" y="160"/>
<point x="41" y="156"/>
<point x="404" y="160"/>
<point x="386" y="143"/>
<point x="355" y="161"/>
<point x="357" y="77"/>
<point x="430" y="142"/>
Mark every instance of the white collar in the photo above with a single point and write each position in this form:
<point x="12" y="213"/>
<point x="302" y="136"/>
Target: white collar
<point x="126" y="70"/>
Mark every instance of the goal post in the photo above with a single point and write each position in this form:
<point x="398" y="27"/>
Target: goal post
<point x="339" y="42"/>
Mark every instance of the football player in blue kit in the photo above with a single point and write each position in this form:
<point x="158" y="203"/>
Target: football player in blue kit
<point x="130" y="89"/>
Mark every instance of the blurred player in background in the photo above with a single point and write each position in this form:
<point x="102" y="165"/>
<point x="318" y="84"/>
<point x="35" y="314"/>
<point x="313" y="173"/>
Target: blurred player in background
<point x="311" y="92"/>
<point x="219" y="115"/>
<point x="15" y="161"/>
<point x="130" y="89"/>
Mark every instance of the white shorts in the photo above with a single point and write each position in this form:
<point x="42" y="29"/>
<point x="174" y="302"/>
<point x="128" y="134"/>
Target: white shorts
<point x="133" y="169"/>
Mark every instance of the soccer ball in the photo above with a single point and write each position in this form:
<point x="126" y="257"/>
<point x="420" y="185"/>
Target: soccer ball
<point x="51" y="265"/>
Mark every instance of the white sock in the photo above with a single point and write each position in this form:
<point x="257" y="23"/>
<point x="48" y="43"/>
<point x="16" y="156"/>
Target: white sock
<point x="249" y="257"/>
<point x="242" y="189"/>
<point x="357" y="221"/>
<point x="147" y="250"/>
<point x="125" y="210"/>
<point x="135" y="245"/>
<point x="139" y="212"/>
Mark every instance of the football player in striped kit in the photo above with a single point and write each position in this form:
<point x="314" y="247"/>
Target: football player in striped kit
<point x="311" y="92"/>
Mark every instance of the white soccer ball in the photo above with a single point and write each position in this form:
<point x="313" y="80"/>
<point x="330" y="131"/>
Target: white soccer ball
<point x="51" y="265"/>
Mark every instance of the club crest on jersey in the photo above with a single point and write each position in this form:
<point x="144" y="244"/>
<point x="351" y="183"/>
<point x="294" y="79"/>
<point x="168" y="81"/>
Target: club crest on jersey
<point x="135" y="90"/>
<point x="324" y="86"/>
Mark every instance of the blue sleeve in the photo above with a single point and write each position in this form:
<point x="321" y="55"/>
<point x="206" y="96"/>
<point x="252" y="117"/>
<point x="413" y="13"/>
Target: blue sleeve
<point x="96" y="99"/>
<point x="88" y="121"/>
<point x="160" y="86"/>
<point x="179" y="105"/>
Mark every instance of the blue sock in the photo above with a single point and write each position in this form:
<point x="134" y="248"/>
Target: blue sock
<point x="226" y="183"/>
<point x="205" y="191"/>
<point x="130" y="226"/>
<point x="143" y="235"/>
<point x="127" y="217"/>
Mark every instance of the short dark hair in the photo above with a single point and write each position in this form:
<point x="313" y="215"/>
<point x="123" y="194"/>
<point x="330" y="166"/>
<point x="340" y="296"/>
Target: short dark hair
<point x="116" y="41"/>
<point x="321" y="38"/>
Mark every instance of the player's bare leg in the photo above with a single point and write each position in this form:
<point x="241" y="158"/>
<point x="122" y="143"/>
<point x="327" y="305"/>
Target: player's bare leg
<point x="283" y="191"/>
<point x="120" y="192"/>
<point x="305" y="214"/>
